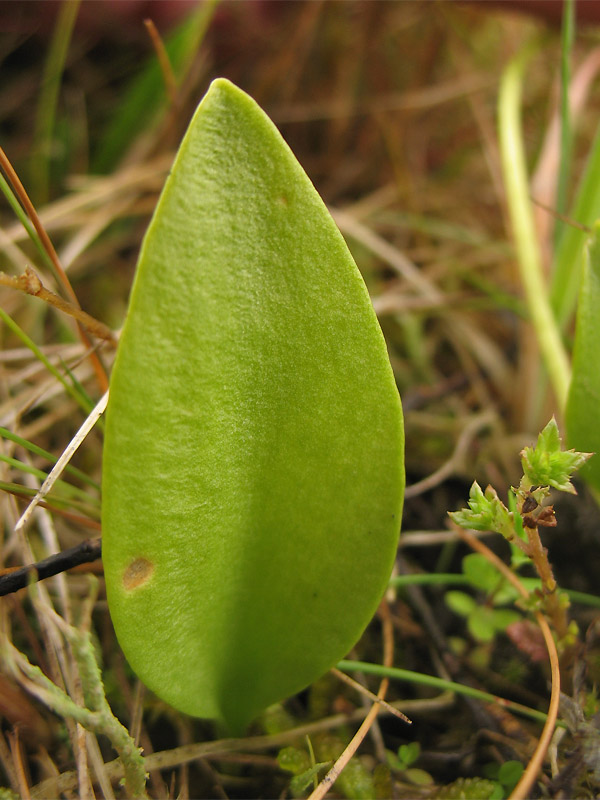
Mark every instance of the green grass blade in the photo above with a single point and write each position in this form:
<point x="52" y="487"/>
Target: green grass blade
<point x="81" y="400"/>
<point x="146" y="95"/>
<point x="63" y="489"/>
<point x="456" y="579"/>
<point x="52" y="500"/>
<point x="566" y="271"/>
<point x="566" y="133"/>
<point x="434" y="682"/>
<point x="48" y="98"/>
<point x="527" y="248"/>
<point x="25" y="222"/>
<point x="39" y="451"/>
<point x="583" y="407"/>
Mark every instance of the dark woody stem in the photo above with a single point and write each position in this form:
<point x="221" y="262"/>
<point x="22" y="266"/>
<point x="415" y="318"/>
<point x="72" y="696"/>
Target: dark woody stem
<point x="83" y="553"/>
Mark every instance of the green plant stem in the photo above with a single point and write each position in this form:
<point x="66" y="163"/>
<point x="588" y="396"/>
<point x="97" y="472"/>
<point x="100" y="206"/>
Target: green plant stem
<point x="46" y="110"/>
<point x="87" y="516"/>
<point x="68" y="490"/>
<point x="5" y="433"/>
<point x="583" y="597"/>
<point x="566" y="133"/>
<point x="21" y="215"/>
<point x="82" y="401"/>
<point x="438" y="683"/>
<point x="453" y="579"/>
<point x="528" y="254"/>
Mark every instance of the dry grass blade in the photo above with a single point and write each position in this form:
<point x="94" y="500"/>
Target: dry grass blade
<point x="64" y="459"/>
<point x="163" y="60"/>
<point x="15" y="749"/>
<point x="364" y="691"/>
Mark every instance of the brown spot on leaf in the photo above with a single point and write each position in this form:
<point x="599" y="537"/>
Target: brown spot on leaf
<point x="137" y="573"/>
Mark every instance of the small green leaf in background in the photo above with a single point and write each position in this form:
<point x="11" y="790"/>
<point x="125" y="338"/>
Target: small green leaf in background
<point x="482" y="574"/>
<point x="408" y="753"/>
<point x="460" y="602"/>
<point x="484" y="621"/>
<point x="583" y="404"/>
<point x="509" y="774"/>
<point x="253" y="467"/>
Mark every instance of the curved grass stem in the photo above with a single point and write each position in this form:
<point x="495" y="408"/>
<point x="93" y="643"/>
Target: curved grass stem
<point x="528" y="253"/>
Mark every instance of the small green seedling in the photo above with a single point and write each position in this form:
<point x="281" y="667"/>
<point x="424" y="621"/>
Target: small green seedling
<point x="253" y="466"/>
<point x="506" y="776"/>
<point x="545" y="465"/>
<point x="403" y="761"/>
<point x="304" y="769"/>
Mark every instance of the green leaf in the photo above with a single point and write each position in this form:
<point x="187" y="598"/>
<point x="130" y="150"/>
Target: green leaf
<point x="294" y="760"/>
<point x="460" y="602"/>
<point x="503" y="617"/>
<point x="547" y="464"/>
<point x="483" y="575"/>
<point x="478" y="570"/>
<point x="510" y="773"/>
<point x="583" y="404"/>
<point x="301" y="782"/>
<point x="409" y="753"/>
<point x="253" y="468"/>
<point x="418" y="777"/>
<point x="481" y="624"/>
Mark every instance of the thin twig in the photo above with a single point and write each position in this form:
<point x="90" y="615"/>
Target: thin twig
<point x="523" y="789"/>
<point x="19" y="190"/>
<point x="82" y="553"/>
<point x="30" y="283"/>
